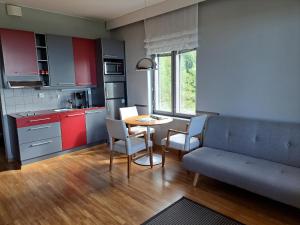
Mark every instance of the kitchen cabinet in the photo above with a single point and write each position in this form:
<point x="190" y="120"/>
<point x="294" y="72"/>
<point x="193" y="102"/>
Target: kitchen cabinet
<point x="113" y="49"/>
<point x="40" y="140"/>
<point x="18" y="52"/>
<point x="61" y="61"/>
<point x="96" y="125"/>
<point x="73" y="129"/>
<point x="38" y="136"/>
<point x="85" y="61"/>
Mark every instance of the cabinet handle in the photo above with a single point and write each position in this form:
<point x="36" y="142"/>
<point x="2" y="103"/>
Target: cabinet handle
<point x="110" y="56"/>
<point x="79" y="114"/>
<point x="66" y="83"/>
<point x="92" y="112"/>
<point x="37" y="120"/>
<point x="105" y="92"/>
<point x="41" y="143"/>
<point x="38" y="128"/>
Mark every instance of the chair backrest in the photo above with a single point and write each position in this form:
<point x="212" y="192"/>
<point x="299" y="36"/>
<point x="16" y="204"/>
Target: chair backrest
<point x="128" y="112"/>
<point x="117" y="129"/>
<point x="196" y="125"/>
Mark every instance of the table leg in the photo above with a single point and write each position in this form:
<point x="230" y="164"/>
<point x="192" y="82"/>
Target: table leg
<point x="150" y="159"/>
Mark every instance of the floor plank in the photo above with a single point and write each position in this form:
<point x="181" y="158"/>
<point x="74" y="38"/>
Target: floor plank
<point x="79" y="189"/>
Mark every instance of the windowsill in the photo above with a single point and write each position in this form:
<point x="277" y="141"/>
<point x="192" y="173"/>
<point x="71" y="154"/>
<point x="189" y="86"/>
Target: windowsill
<point x="174" y="117"/>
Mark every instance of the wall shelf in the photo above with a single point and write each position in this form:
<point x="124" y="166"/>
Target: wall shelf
<point x="42" y="58"/>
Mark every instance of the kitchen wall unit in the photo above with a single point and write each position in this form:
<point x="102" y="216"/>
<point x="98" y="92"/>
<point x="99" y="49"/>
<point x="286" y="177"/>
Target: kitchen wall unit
<point x="18" y="52"/>
<point x="49" y="133"/>
<point x="95" y="125"/>
<point x="61" y="61"/>
<point x="42" y="58"/>
<point x="113" y="49"/>
<point x="114" y="84"/>
<point x="85" y="61"/>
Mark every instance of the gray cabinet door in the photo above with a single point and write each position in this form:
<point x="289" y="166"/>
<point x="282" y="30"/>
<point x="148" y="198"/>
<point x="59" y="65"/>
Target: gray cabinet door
<point x="61" y="61"/>
<point x="113" y="49"/>
<point x="95" y="126"/>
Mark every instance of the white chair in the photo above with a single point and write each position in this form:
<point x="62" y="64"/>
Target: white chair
<point x="131" y="112"/>
<point x="184" y="141"/>
<point x="120" y="141"/>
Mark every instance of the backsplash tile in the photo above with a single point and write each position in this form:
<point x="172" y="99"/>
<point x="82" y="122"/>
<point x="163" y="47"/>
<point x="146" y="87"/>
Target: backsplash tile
<point x="23" y="100"/>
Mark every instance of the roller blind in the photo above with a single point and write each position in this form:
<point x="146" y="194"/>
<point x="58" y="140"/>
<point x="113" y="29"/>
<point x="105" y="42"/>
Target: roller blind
<point x="174" y="31"/>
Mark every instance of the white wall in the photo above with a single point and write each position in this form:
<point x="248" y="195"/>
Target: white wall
<point x="249" y="58"/>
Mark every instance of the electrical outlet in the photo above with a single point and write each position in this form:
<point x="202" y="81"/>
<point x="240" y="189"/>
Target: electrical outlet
<point x="41" y="95"/>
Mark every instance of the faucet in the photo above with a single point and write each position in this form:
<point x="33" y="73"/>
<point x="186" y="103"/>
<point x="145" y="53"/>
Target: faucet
<point x="70" y="103"/>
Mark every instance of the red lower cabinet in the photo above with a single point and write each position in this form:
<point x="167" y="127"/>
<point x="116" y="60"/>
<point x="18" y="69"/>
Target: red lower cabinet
<point x="73" y="129"/>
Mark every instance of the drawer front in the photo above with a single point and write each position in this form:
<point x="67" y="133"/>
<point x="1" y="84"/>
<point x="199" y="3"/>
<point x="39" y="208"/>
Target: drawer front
<point x="37" y="120"/>
<point x="40" y="148"/>
<point x="38" y="132"/>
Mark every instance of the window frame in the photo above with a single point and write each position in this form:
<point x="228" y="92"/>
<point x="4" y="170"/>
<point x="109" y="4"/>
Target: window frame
<point x="174" y="76"/>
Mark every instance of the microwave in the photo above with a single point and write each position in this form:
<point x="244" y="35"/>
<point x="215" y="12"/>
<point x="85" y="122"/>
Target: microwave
<point x="113" y="68"/>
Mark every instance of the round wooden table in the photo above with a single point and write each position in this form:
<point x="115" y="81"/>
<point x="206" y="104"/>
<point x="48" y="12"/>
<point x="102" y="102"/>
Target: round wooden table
<point x="148" y="121"/>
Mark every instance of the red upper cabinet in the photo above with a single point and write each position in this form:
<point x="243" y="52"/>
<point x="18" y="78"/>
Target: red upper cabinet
<point x="19" y="52"/>
<point x="84" y="51"/>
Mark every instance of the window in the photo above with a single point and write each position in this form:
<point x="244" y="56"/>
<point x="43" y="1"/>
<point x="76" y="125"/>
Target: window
<point x="163" y="95"/>
<point x="175" y="83"/>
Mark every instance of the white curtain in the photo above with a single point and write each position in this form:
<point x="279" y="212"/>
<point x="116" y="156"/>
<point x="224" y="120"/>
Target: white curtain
<point x="174" y="31"/>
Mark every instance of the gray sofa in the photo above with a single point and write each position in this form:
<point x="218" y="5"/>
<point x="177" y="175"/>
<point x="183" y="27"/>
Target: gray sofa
<point x="259" y="156"/>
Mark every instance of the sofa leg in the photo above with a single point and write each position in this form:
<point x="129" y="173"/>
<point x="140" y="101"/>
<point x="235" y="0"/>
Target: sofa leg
<point x="196" y="179"/>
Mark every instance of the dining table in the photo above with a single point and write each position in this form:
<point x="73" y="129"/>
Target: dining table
<point x="148" y="121"/>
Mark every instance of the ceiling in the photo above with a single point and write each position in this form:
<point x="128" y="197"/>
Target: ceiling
<point x="95" y="9"/>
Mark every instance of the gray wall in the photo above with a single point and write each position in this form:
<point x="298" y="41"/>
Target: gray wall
<point x="45" y="22"/>
<point x="249" y="58"/>
<point x="134" y="36"/>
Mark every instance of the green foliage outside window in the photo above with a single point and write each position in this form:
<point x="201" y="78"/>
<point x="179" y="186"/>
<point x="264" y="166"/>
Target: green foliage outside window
<point x="165" y="84"/>
<point x="186" y="88"/>
<point x="187" y="79"/>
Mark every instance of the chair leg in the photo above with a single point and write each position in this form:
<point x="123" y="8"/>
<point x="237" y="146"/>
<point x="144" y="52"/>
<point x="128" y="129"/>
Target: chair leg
<point x="179" y="155"/>
<point x="151" y="157"/>
<point x="128" y="165"/>
<point x="196" y="179"/>
<point x="153" y="138"/>
<point x="163" y="156"/>
<point x="111" y="160"/>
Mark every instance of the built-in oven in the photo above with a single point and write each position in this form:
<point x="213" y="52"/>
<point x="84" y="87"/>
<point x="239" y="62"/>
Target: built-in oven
<point x="114" y="67"/>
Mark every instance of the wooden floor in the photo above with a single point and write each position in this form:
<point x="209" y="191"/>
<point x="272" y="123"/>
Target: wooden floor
<point x="78" y="189"/>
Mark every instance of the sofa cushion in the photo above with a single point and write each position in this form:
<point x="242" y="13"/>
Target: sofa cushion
<point x="277" y="181"/>
<point x="274" y="141"/>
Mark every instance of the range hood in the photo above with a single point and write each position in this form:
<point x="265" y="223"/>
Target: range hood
<point x="28" y="81"/>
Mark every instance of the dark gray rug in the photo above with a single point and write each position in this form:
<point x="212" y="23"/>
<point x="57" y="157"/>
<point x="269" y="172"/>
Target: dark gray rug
<point x="188" y="212"/>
